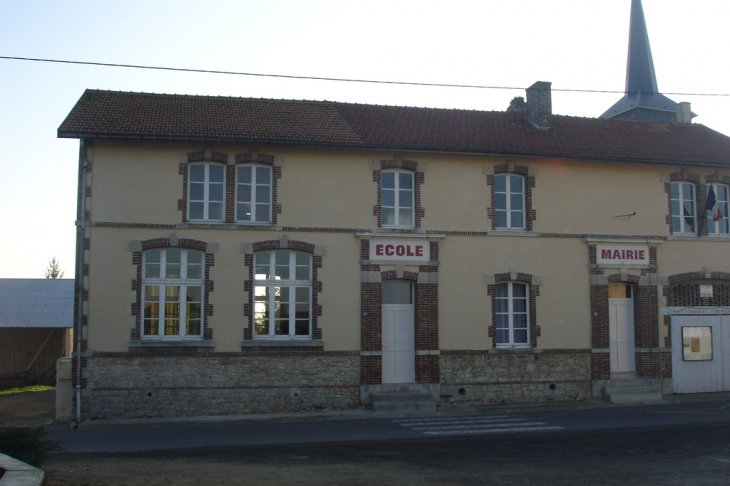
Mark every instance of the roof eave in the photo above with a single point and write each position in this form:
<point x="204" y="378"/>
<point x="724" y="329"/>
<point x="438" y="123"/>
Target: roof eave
<point x="422" y="149"/>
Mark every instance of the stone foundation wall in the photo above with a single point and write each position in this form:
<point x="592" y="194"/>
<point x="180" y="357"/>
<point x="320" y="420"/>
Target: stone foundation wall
<point x="136" y="387"/>
<point x="515" y="376"/>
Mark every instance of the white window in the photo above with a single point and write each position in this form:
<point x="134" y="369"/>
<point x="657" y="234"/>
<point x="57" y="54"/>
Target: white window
<point x="717" y="216"/>
<point x="683" y="208"/>
<point x="512" y="314"/>
<point x="283" y="294"/>
<point x="206" y="192"/>
<point x="172" y="293"/>
<point x="396" y="193"/>
<point x="253" y="194"/>
<point x="509" y="202"/>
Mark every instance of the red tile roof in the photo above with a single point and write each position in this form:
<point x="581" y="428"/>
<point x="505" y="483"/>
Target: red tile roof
<point x="113" y="114"/>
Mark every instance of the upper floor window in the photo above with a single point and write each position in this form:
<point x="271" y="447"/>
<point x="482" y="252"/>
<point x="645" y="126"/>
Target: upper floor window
<point x="206" y="192"/>
<point x="683" y="208"/>
<point x="512" y="314"/>
<point x="717" y="217"/>
<point x="397" y="198"/>
<point x="509" y="201"/>
<point x="253" y="194"/>
<point x="283" y="294"/>
<point x="173" y="281"/>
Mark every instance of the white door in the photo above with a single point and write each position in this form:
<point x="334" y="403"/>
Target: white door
<point x="621" y="335"/>
<point x="710" y="374"/>
<point x="399" y="357"/>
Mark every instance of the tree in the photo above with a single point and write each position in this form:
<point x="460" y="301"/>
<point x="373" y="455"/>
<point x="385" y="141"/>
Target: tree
<point x="54" y="269"/>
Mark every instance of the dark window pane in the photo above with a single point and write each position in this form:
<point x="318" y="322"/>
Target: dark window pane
<point x="196" y="210"/>
<point x="515" y="184"/>
<point x="196" y="173"/>
<point x="388" y="198"/>
<point x="215" y="211"/>
<point x="520" y="336"/>
<point x="263" y="175"/>
<point x="517" y="220"/>
<point x="302" y="328"/>
<point x="397" y="292"/>
<point x="405" y="199"/>
<point x="244" y="175"/>
<point x="675" y="191"/>
<point x="388" y="180"/>
<point x="262" y="213"/>
<point x="500" y="183"/>
<point x="281" y="327"/>
<point x="502" y="336"/>
<point x="501" y="290"/>
<point x="197" y="192"/>
<point x="500" y="201"/>
<point x="244" y="193"/>
<point x="388" y="216"/>
<point x="405" y="181"/>
<point x="263" y="194"/>
<point x="406" y="217"/>
<point x="216" y="173"/>
<point x="500" y="219"/>
<point x="215" y="193"/>
<point x="516" y="202"/>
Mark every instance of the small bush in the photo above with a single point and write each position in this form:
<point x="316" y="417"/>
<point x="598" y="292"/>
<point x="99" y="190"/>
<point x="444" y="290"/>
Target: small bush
<point x="16" y="391"/>
<point x="26" y="444"/>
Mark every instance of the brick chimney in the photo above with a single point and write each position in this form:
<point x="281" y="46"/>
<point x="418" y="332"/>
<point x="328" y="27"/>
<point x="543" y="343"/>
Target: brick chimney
<point x="684" y="114"/>
<point x="539" y="104"/>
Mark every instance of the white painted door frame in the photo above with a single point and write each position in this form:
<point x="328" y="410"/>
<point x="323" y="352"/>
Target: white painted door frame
<point x="399" y="355"/>
<point x="621" y="335"/>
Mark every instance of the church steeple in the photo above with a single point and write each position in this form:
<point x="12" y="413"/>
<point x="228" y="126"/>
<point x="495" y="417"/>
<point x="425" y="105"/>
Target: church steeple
<point x="641" y="100"/>
<point x="640" y="74"/>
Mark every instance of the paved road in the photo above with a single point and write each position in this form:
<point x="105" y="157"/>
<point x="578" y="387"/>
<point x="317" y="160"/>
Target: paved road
<point x="156" y="436"/>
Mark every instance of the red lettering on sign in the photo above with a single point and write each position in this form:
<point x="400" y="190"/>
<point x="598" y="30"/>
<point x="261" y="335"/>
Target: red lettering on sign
<point x="616" y="254"/>
<point x="408" y="251"/>
<point x="606" y="254"/>
<point x="629" y="254"/>
<point x="641" y="254"/>
<point x="389" y="250"/>
<point x="419" y="251"/>
<point x="400" y="250"/>
<point x="378" y="249"/>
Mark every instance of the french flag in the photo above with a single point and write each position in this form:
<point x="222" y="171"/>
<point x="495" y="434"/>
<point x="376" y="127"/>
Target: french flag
<point x="710" y="206"/>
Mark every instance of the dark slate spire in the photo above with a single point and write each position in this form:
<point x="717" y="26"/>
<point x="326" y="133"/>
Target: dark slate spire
<point x="641" y="100"/>
<point x="640" y="65"/>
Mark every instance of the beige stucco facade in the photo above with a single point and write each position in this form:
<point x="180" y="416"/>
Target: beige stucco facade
<point x="329" y="199"/>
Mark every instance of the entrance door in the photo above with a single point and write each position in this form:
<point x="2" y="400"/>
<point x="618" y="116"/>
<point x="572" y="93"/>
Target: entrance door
<point x="621" y="335"/>
<point x="399" y="356"/>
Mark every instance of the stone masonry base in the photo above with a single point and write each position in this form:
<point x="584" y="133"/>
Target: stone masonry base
<point x="517" y="376"/>
<point x="137" y="387"/>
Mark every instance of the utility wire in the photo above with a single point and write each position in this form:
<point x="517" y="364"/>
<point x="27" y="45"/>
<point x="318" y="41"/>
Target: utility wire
<point x="319" y="78"/>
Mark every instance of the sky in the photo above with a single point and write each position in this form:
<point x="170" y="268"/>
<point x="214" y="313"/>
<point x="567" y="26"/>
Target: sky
<point x="575" y="44"/>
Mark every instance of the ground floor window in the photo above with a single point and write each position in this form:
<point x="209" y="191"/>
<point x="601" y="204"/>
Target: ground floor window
<point x="512" y="314"/>
<point x="283" y="294"/>
<point x="173" y="293"/>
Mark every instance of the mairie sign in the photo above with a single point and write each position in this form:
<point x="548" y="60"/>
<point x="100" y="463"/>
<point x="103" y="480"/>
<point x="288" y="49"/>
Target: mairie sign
<point x="622" y="254"/>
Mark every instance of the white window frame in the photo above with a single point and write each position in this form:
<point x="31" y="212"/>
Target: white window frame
<point x="268" y="281"/>
<point x="162" y="282"/>
<point x="507" y="209"/>
<point x="255" y="205"/>
<point x="206" y="192"/>
<point x="396" y="199"/>
<point x="715" y="228"/>
<point x="511" y="316"/>
<point x="681" y="201"/>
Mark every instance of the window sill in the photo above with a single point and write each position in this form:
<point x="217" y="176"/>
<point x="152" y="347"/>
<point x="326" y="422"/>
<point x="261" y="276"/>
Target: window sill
<point x="172" y="343"/>
<point x="281" y="343"/>
<point x="228" y="226"/>
<point x="690" y="237"/>
<point x="513" y="349"/>
<point x="511" y="232"/>
<point x="399" y="229"/>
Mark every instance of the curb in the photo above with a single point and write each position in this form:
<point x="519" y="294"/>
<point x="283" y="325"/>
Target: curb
<point x="19" y="473"/>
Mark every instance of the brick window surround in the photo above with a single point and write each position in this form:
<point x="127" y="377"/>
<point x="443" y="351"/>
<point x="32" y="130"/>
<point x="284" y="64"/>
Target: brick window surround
<point x="252" y="157"/>
<point x="418" y="178"/>
<point x="511" y="168"/>
<point x="425" y="322"/>
<point x="249" y="284"/>
<point x="166" y="242"/>
<point x="533" y="293"/>
<point x="700" y="197"/>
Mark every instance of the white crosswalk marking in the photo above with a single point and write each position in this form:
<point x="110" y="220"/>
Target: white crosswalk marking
<point x="490" y="424"/>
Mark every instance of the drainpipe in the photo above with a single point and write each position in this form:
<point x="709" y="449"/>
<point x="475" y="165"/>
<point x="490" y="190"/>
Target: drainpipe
<point x="80" y="252"/>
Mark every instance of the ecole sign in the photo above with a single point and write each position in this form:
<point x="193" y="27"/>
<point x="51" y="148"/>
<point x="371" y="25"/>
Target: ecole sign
<point x="398" y="250"/>
<point x="622" y="254"/>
